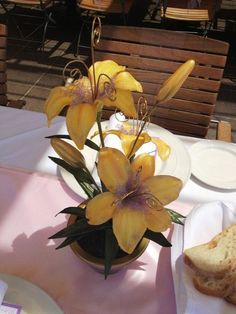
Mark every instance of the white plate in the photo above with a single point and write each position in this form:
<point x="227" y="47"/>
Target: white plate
<point x="214" y="163"/>
<point x="201" y="225"/>
<point x="32" y="299"/>
<point x="178" y="164"/>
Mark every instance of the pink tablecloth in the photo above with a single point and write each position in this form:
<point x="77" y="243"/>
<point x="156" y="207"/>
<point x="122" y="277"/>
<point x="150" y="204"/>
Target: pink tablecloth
<point x="29" y="202"/>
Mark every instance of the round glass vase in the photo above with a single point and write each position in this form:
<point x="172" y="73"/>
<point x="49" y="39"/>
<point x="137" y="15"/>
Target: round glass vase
<point x="98" y="263"/>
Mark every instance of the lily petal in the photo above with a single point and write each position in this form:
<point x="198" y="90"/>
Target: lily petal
<point x="107" y="67"/>
<point x="113" y="169"/>
<point x="146" y="163"/>
<point x="79" y="120"/>
<point x="100" y="209"/>
<point x="165" y="188"/>
<point x="163" y="149"/>
<point x="157" y="219"/>
<point x="124" y="80"/>
<point x="127" y="142"/>
<point x="128" y="227"/>
<point x="56" y="101"/>
<point x="123" y="101"/>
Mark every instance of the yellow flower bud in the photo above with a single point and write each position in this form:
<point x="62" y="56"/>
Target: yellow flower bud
<point x="67" y="152"/>
<point x="170" y="87"/>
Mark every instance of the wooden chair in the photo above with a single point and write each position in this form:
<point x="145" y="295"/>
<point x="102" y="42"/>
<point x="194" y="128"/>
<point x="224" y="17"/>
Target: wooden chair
<point x="106" y="6"/>
<point x="151" y="55"/>
<point x="226" y="11"/>
<point x="98" y="7"/>
<point x="17" y="11"/>
<point x="4" y="101"/>
<point x="189" y="10"/>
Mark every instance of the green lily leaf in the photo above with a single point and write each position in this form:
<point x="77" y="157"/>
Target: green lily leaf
<point x="79" y="228"/>
<point x="111" y="249"/>
<point x="78" y="211"/>
<point x="157" y="237"/>
<point x="88" y="142"/>
<point x="67" y="241"/>
<point x="92" y="145"/>
<point x="79" y="173"/>
<point x="66" y="136"/>
<point x="83" y="177"/>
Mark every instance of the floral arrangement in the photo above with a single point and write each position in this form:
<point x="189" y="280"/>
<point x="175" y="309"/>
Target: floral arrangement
<point x="128" y="204"/>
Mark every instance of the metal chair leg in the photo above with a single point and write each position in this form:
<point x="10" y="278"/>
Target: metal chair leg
<point x="48" y="19"/>
<point x="79" y="39"/>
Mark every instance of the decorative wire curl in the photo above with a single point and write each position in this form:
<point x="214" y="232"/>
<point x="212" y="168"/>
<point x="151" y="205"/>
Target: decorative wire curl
<point x="73" y="69"/>
<point x="96" y="31"/>
<point x="71" y="72"/>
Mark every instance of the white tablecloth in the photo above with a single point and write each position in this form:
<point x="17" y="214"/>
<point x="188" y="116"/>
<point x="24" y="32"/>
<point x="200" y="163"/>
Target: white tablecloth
<point x="23" y="145"/>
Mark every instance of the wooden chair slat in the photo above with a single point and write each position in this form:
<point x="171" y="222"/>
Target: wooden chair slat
<point x="3" y="54"/>
<point x="182" y="116"/>
<point x="186" y="94"/>
<point x="3" y="88"/>
<point x="186" y="14"/>
<point x="159" y="65"/>
<point x="159" y="78"/>
<point x="189" y="106"/>
<point x="3" y="77"/>
<point x="3" y="30"/>
<point x="164" y="38"/>
<point x="3" y="42"/>
<point x="189" y="10"/>
<point x="109" y="6"/>
<point x="2" y="66"/>
<point x="178" y="127"/>
<point x="161" y="52"/>
<point x="179" y="104"/>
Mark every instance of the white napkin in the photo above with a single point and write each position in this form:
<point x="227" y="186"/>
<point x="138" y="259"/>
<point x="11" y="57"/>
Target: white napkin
<point x="201" y="225"/>
<point x="3" y="289"/>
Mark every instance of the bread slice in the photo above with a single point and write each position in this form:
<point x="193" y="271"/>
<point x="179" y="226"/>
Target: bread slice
<point x="214" y="264"/>
<point x="215" y="257"/>
<point x="214" y="286"/>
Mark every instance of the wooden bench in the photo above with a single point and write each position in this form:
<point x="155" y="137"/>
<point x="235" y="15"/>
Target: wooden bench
<point x="152" y="55"/>
<point x="4" y="101"/>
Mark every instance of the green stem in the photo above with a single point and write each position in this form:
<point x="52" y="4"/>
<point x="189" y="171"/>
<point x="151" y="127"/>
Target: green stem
<point x="100" y="129"/>
<point x="139" y="133"/>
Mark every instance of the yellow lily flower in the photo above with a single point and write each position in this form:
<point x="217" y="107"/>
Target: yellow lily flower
<point x="135" y="199"/>
<point x="88" y="95"/>
<point x="128" y="135"/>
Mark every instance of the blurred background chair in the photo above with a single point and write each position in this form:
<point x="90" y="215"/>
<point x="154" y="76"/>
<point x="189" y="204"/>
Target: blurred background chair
<point x="227" y="12"/>
<point x="4" y="101"/>
<point x="190" y="11"/>
<point x="151" y="55"/>
<point x="91" y="8"/>
<point x="29" y="17"/>
<point x="120" y="7"/>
